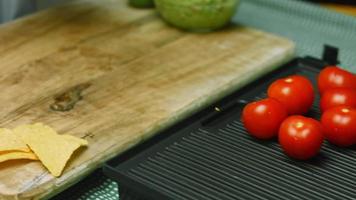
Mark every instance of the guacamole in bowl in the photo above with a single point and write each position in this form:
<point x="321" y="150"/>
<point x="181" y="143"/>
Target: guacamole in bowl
<point x="197" y="15"/>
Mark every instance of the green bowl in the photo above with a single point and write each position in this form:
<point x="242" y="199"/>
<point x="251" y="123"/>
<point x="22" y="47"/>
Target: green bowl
<point x="197" y="15"/>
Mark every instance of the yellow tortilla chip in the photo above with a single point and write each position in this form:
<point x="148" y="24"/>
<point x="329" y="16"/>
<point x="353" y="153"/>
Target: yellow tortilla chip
<point x="10" y="142"/>
<point x="15" y="155"/>
<point x="53" y="150"/>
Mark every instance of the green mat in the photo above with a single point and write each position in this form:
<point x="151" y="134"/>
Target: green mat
<point x="308" y="25"/>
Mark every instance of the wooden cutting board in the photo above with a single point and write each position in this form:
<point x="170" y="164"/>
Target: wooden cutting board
<point x="136" y="76"/>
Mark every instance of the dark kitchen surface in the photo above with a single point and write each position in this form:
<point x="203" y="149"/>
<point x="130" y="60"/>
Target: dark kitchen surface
<point x="310" y="26"/>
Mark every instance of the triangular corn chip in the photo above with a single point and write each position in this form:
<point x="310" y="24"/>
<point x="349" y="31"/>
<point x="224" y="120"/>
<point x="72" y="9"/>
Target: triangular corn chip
<point x="53" y="150"/>
<point x="10" y="142"/>
<point x="16" y="155"/>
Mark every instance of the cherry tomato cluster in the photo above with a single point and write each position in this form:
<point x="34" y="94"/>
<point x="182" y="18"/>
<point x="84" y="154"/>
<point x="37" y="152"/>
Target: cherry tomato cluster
<point x="289" y="98"/>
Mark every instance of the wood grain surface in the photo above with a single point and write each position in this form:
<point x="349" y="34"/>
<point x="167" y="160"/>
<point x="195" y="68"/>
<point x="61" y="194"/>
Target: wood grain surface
<point x="127" y="74"/>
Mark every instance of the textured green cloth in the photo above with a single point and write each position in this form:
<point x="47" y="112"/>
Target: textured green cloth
<point x="105" y="191"/>
<point x="308" y="25"/>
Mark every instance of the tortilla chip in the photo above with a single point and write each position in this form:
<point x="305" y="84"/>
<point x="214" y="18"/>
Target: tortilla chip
<point x="10" y="142"/>
<point x="53" y="150"/>
<point x="14" y="155"/>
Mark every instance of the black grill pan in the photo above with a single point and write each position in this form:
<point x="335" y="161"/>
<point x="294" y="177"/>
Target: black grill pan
<point x="210" y="156"/>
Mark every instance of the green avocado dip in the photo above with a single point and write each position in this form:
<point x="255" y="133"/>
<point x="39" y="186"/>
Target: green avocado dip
<point x="197" y="15"/>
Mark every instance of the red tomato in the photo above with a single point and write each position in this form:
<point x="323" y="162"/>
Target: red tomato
<point x="335" y="77"/>
<point x="338" y="97"/>
<point x="263" y="118"/>
<point x="340" y="125"/>
<point x="301" y="137"/>
<point x="296" y="92"/>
